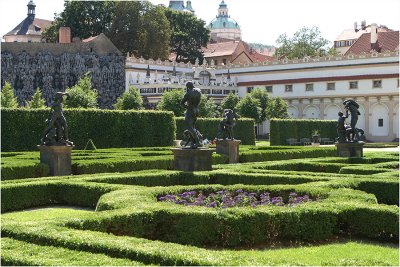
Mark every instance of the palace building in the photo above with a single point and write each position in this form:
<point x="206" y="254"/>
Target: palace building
<point x="223" y="27"/>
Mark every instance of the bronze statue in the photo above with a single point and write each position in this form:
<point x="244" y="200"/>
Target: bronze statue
<point x="225" y="128"/>
<point x="56" y="132"/>
<point x="341" y="128"/>
<point x="352" y="107"/>
<point x="191" y="102"/>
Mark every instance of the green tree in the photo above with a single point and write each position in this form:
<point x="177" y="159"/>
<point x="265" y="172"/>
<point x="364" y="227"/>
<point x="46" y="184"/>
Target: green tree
<point x="37" y="100"/>
<point x="262" y="96"/>
<point x="172" y="101"/>
<point x="249" y="107"/>
<point x="85" y="18"/>
<point x="82" y="95"/>
<point x="207" y="108"/>
<point x="140" y="28"/>
<point x="130" y="99"/>
<point x="305" y="42"/>
<point x="230" y="101"/>
<point x="278" y="109"/>
<point x="8" y="100"/>
<point x="188" y="35"/>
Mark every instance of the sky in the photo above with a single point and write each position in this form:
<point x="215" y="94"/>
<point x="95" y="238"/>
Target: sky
<point x="261" y="21"/>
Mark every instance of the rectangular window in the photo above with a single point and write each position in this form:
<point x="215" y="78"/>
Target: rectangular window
<point x="216" y="62"/>
<point x="249" y="89"/>
<point x="224" y="61"/>
<point x="268" y="88"/>
<point x="309" y="87"/>
<point x="377" y="84"/>
<point x="289" y="88"/>
<point x="380" y="122"/>
<point x="330" y="86"/>
<point x="353" y="85"/>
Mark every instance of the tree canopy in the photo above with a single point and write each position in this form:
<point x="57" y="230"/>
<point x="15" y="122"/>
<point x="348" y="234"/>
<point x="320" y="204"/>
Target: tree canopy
<point x="8" y="100"/>
<point x="230" y="101"/>
<point x="304" y="42"/>
<point x="207" y="108"/>
<point x="37" y="100"/>
<point x="249" y="107"/>
<point x="188" y="35"/>
<point x="130" y="99"/>
<point x="85" y="18"/>
<point x="262" y="96"/>
<point x="82" y="95"/>
<point x="172" y="101"/>
<point x="278" y="108"/>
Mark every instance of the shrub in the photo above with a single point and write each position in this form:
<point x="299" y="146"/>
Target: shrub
<point x="82" y="95"/>
<point x="107" y="128"/>
<point x="8" y="100"/>
<point x="282" y="129"/>
<point x="130" y="100"/>
<point x="37" y="100"/>
<point x="171" y="101"/>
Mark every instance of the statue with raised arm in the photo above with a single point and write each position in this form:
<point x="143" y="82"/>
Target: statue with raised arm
<point x="56" y="132"/>
<point x="225" y="128"/>
<point x="352" y="107"/>
<point x="191" y="102"/>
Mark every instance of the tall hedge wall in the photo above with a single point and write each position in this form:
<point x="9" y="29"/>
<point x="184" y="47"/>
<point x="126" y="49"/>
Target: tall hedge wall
<point x="282" y="129"/>
<point x="23" y="129"/>
<point x="244" y="129"/>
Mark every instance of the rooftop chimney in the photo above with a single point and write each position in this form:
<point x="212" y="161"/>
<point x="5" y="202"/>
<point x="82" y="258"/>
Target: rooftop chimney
<point x="374" y="35"/>
<point x="64" y="35"/>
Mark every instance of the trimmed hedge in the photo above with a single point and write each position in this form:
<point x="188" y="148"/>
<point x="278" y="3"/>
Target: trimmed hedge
<point x="244" y="129"/>
<point x="23" y="129"/>
<point x="282" y="129"/>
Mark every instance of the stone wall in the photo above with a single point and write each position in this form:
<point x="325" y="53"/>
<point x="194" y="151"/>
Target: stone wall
<point x="53" y="70"/>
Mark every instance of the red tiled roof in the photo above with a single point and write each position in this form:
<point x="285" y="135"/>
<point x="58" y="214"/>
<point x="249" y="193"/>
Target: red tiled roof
<point x="387" y="41"/>
<point x="257" y="57"/>
<point x="220" y="49"/>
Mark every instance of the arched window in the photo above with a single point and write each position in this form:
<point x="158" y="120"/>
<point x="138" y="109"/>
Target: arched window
<point x="204" y="77"/>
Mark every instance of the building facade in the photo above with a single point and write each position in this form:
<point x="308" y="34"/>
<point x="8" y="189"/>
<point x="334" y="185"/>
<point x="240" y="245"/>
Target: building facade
<point x="314" y="88"/>
<point x="30" y="29"/>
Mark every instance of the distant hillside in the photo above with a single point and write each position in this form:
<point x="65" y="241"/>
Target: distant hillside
<point x="268" y="50"/>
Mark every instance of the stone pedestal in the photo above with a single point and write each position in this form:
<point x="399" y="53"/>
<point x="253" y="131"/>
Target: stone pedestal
<point x="177" y="143"/>
<point x="229" y="148"/>
<point x="189" y="160"/>
<point x="58" y="158"/>
<point x="349" y="149"/>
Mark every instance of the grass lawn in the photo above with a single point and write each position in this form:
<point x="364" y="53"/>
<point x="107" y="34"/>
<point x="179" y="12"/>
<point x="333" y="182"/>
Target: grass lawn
<point x="115" y="218"/>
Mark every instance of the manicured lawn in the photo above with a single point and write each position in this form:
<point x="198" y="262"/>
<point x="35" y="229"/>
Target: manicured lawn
<point x="116" y="218"/>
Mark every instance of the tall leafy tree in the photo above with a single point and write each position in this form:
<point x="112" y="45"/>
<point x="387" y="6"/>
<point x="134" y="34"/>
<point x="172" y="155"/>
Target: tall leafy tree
<point x="304" y="42"/>
<point x="188" y="35"/>
<point x="249" y="107"/>
<point x="130" y="99"/>
<point x="262" y="96"/>
<point x="207" y="108"/>
<point x="37" y="100"/>
<point x="8" y="100"/>
<point x="85" y="18"/>
<point x="172" y="101"/>
<point x="278" y="109"/>
<point x="230" y="101"/>
<point x="82" y="95"/>
<point x="140" y="28"/>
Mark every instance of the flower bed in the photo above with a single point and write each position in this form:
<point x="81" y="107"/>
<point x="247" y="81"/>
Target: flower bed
<point x="238" y="198"/>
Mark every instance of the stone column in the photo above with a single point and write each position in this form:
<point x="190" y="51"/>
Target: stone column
<point x="58" y="158"/>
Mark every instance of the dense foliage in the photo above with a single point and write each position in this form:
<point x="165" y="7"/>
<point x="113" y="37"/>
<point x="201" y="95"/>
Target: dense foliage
<point x="8" y="100"/>
<point x="230" y="101"/>
<point x="249" y="107"/>
<point x="171" y="101"/>
<point x="107" y="128"/>
<point x="130" y="100"/>
<point x="37" y="100"/>
<point x="304" y="42"/>
<point x="282" y="129"/>
<point x="82" y="95"/>
<point x="188" y="35"/>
